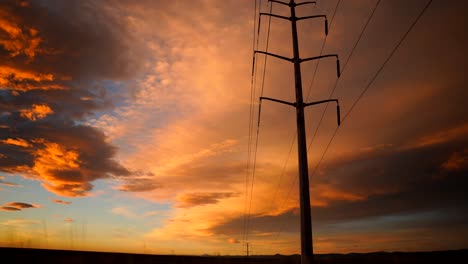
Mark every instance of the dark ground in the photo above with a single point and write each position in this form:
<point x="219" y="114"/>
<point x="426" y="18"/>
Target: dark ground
<point x="23" y="255"/>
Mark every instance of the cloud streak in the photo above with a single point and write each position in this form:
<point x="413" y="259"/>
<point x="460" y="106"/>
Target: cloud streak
<point x="198" y="199"/>
<point x="7" y="183"/>
<point x="61" y="201"/>
<point x="17" y="206"/>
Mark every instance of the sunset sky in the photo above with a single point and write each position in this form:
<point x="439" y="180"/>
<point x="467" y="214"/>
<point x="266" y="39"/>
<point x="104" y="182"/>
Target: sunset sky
<point x="124" y="126"/>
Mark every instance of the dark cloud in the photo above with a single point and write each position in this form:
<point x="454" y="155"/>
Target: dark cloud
<point x="394" y="181"/>
<point x="286" y="222"/>
<point x="60" y="63"/>
<point x="17" y="206"/>
<point x="20" y="205"/>
<point x="66" y="156"/>
<point x="9" y="208"/>
<point x="197" y="199"/>
<point x="78" y="39"/>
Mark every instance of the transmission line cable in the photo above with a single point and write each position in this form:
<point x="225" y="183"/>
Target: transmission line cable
<point x="372" y="81"/>
<point x="321" y="51"/>
<point x="342" y="70"/>
<point x="249" y="142"/>
<point x="363" y="92"/>
<point x="258" y="127"/>
<point x="294" y="136"/>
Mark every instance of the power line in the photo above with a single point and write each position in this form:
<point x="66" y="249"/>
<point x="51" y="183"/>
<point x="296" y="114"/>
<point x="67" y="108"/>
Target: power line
<point x="282" y="172"/>
<point x="321" y="51"/>
<point x="362" y="94"/>
<point x="294" y="179"/>
<point x="313" y="77"/>
<point x="342" y="70"/>
<point x="372" y="81"/>
<point x="249" y="141"/>
<point x="258" y="129"/>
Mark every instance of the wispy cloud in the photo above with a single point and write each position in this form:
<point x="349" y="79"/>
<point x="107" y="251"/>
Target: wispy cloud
<point x="20" y="222"/>
<point x="18" y="206"/>
<point x="9" y="208"/>
<point x="7" y="183"/>
<point x="61" y="201"/>
<point x="124" y="211"/>
<point x="197" y="199"/>
<point x="140" y="185"/>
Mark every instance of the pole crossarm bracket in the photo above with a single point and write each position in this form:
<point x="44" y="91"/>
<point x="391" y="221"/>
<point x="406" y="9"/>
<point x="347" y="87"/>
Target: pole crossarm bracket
<point x="278" y="16"/>
<point x="338" y="69"/>
<point x="292" y="3"/>
<point x="307" y="2"/>
<point x="338" y="113"/>
<point x="307" y="249"/>
<point x="308" y="17"/>
<point x="319" y="57"/>
<point x="274" y="55"/>
<point x="278" y="101"/>
<point x="321" y="102"/>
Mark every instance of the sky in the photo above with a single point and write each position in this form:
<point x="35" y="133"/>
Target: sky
<point x="125" y="126"/>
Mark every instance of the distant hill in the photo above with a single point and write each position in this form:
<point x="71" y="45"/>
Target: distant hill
<point x="24" y="255"/>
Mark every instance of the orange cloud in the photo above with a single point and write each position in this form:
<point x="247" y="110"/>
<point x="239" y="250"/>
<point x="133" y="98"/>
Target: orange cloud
<point x="65" y="169"/>
<point x="458" y="161"/>
<point x="61" y="201"/>
<point x="68" y="220"/>
<point x="36" y="112"/>
<point x="17" y="40"/>
<point x="55" y="156"/>
<point x="26" y="80"/>
<point x="326" y="194"/>
<point x="7" y="73"/>
<point x="440" y="137"/>
<point x="16" y="141"/>
<point x="54" y="159"/>
<point x="43" y="52"/>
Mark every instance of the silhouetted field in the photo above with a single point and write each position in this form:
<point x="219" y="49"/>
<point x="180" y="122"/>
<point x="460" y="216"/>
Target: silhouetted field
<point x="21" y="255"/>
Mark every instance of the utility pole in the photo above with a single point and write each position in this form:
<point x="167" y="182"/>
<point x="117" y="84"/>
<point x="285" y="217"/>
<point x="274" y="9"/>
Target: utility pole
<point x="305" y="211"/>
<point x="247" y="249"/>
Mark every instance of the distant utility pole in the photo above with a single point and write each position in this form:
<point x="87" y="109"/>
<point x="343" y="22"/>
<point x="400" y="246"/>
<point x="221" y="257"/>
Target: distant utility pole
<point x="247" y="249"/>
<point x="306" y="223"/>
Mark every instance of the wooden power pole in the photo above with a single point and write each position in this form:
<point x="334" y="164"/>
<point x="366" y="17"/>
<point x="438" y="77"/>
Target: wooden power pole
<point x="306" y="222"/>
